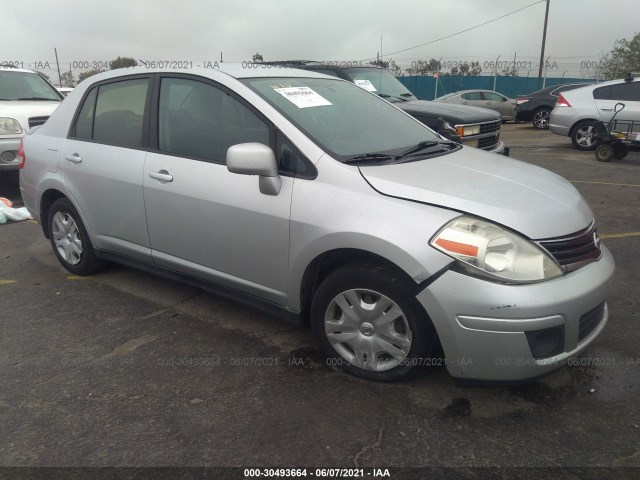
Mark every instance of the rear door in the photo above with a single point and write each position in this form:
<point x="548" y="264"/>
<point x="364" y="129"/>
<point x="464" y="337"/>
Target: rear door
<point x="499" y="103"/>
<point x="103" y="161"/>
<point x="203" y="220"/>
<point x="627" y="93"/>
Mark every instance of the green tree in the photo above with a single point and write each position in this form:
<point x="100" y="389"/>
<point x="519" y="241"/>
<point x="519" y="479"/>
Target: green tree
<point x="123" y="62"/>
<point x="257" y="58"/>
<point x="392" y="66"/>
<point x="68" y="80"/>
<point x="89" y="73"/>
<point x="45" y="76"/>
<point x="623" y="59"/>
<point x="424" y="68"/>
<point x="472" y="69"/>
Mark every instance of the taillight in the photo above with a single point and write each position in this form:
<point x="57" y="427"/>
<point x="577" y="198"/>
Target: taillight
<point x="520" y="100"/>
<point x="562" y="102"/>
<point x="21" y="156"/>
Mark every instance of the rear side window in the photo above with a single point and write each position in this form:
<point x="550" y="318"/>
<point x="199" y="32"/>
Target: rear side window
<point x="84" y="123"/>
<point x="113" y="113"/>
<point x="629" y="92"/>
<point x="196" y="119"/>
<point x="493" y="97"/>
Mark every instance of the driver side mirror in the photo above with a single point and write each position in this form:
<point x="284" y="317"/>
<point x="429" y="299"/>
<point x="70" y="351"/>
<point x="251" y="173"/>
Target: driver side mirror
<point x="256" y="159"/>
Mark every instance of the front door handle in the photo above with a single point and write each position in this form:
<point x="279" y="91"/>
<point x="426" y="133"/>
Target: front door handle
<point x="162" y="175"/>
<point x="74" y="158"/>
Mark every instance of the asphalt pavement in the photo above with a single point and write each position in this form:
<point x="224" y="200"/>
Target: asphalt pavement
<point x="126" y="369"/>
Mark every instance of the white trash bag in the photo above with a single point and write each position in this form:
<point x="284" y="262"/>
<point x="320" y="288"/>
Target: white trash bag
<point x="7" y="212"/>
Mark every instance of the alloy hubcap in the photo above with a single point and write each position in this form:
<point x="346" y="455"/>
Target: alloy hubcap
<point x="66" y="237"/>
<point x="368" y="329"/>
<point x="584" y="136"/>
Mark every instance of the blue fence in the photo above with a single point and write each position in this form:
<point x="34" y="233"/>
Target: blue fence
<point x="425" y="87"/>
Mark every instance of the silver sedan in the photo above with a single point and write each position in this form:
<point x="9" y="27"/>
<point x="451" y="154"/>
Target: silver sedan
<point x="502" y="104"/>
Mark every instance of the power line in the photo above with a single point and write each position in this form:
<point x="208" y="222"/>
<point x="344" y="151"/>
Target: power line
<point x="458" y="33"/>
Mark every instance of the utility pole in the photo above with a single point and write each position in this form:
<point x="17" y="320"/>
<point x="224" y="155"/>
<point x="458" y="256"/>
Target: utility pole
<point x="544" y="38"/>
<point x="55" y="50"/>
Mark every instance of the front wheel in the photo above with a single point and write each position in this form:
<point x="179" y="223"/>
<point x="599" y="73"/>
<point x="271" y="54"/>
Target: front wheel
<point x="582" y="136"/>
<point x="368" y="322"/>
<point x="69" y="239"/>
<point x="541" y="119"/>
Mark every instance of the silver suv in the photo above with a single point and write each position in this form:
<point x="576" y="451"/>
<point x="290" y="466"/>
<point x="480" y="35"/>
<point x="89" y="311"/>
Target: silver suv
<point x="26" y="101"/>
<point x="312" y="198"/>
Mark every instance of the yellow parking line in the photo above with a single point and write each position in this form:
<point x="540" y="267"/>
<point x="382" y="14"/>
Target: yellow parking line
<point x="621" y="235"/>
<point x="76" y="277"/>
<point x="6" y="282"/>
<point x="606" y="183"/>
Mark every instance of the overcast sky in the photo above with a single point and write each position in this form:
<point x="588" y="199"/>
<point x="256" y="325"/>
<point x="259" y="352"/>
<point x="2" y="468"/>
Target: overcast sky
<point x="86" y="30"/>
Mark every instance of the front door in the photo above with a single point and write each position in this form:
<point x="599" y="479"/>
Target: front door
<point x="203" y="220"/>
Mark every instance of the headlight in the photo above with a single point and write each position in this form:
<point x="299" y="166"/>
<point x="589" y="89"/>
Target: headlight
<point x="494" y="252"/>
<point x="468" y="130"/>
<point x="9" y="126"/>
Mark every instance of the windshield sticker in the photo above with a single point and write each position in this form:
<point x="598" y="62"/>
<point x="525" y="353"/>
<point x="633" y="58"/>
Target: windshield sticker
<point x="303" y="97"/>
<point x="366" y="84"/>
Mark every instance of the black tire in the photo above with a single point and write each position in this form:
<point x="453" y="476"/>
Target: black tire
<point x="412" y="317"/>
<point x="83" y="262"/>
<point x="540" y="120"/>
<point x="604" y="152"/>
<point x="582" y="136"/>
<point x="620" y="150"/>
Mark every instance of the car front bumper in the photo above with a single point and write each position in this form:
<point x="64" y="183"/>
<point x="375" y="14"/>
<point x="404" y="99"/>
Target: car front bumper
<point x="9" y="153"/>
<point x="489" y="331"/>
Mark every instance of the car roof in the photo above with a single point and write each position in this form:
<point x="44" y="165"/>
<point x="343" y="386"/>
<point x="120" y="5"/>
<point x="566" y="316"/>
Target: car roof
<point x="9" y="68"/>
<point x="235" y="70"/>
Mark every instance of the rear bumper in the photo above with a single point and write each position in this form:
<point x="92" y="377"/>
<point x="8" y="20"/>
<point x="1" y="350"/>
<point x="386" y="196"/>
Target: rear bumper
<point x="562" y="119"/>
<point x="525" y="116"/>
<point x="498" y="332"/>
<point x="9" y="153"/>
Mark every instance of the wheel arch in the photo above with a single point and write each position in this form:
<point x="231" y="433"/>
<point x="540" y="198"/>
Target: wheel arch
<point x="46" y="200"/>
<point x="327" y="262"/>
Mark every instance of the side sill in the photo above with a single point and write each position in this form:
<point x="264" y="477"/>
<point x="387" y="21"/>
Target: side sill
<point x="235" y="295"/>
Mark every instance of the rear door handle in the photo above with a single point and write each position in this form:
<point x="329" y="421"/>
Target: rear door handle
<point x="75" y="158"/>
<point x="162" y="175"/>
<point x="606" y="109"/>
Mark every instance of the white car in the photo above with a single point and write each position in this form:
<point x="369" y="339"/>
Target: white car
<point x="26" y="101"/>
<point x="577" y="110"/>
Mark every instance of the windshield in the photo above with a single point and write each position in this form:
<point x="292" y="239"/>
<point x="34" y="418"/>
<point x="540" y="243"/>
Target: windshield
<point x="344" y="120"/>
<point x="380" y="81"/>
<point x="26" y="86"/>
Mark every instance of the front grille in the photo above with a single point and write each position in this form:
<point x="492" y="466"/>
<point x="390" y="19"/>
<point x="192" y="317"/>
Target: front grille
<point x="490" y="127"/>
<point x="575" y="250"/>
<point x="488" y="143"/>
<point x="35" y="121"/>
<point x="589" y="321"/>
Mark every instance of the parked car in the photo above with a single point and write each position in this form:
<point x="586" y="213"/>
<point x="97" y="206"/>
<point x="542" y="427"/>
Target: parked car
<point x="483" y="98"/>
<point x="536" y="107"/>
<point x="64" y="90"/>
<point x="312" y="198"/>
<point x="577" y="110"/>
<point x="26" y="101"/>
<point x="473" y="126"/>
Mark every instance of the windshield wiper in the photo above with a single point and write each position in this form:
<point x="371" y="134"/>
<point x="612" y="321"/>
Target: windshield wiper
<point x="407" y="94"/>
<point x="420" y="146"/>
<point x="40" y="98"/>
<point x="384" y="95"/>
<point x="368" y="158"/>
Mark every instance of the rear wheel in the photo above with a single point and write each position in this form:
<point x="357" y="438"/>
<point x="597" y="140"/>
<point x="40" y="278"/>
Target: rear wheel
<point x="620" y="150"/>
<point x="582" y="136"/>
<point x="541" y="119"/>
<point x="69" y="239"/>
<point x="604" y="153"/>
<point x="368" y="322"/>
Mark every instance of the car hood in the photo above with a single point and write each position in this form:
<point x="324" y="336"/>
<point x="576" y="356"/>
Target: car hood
<point x="454" y="114"/>
<point x="22" y="110"/>
<point x="533" y="201"/>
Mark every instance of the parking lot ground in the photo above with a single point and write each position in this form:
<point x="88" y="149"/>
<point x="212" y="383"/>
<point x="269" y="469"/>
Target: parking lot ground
<point x="123" y="368"/>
